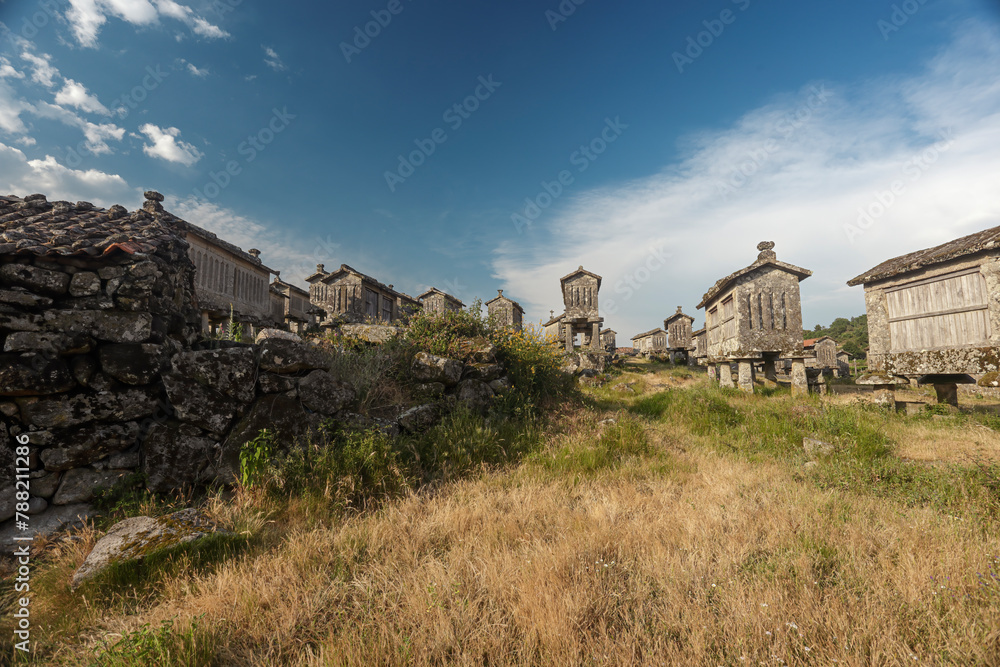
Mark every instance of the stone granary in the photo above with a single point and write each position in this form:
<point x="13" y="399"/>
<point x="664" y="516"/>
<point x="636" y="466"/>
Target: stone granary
<point x="230" y="283"/>
<point x="679" y="335"/>
<point x="934" y="315"/>
<point x="349" y="296"/>
<point x="609" y="340"/>
<point x="581" y="314"/>
<point x="700" y="342"/>
<point x="436" y="301"/>
<point x="289" y="304"/>
<point x="650" y="342"/>
<point x="505" y="312"/>
<point x="406" y="306"/>
<point x="552" y="330"/>
<point x="821" y="353"/>
<point x="755" y="314"/>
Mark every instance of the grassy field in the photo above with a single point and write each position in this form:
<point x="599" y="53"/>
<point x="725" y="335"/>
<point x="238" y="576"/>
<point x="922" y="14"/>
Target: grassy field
<point x="652" y="520"/>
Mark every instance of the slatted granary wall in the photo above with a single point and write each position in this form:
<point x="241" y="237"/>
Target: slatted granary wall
<point x="942" y="312"/>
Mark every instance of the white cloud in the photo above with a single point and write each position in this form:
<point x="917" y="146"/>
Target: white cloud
<point x="42" y="70"/>
<point x="96" y="135"/>
<point x="201" y="73"/>
<point x="791" y="172"/>
<point x="167" y="146"/>
<point x="18" y="175"/>
<point x="7" y="70"/>
<point x="250" y="77"/>
<point x="11" y="108"/>
<point x="87" y="16"/>
<point x="76" y="95"/>
<point x="272" y="59"/>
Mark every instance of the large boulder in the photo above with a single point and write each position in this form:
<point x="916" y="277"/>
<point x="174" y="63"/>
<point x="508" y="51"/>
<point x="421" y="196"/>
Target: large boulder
<point x="139" y="536"/>
<point x="420" y="417"/>
<point x="133" y="363"/>
<point x="89" y="443"/>
<point x="285" y="356"/>
<point x="475" y="393"/>
<point x="34" y="375"/>
<point x="370" y="333"/>
<point x="177" y="456"/>
<point x="272" y="383"/>
<point x="80" y="484"/>
<point x="323" y="393"/>
<point x="478" y="350"/>
<point x="232" y="371"/>
<point x="275" y="412"/>
<point x="265" y="334"/>
<point x="197" y="404"/>
<point x="485" y="372"/>
<point x="79" y="409"/>
<point x="432" y="368"/>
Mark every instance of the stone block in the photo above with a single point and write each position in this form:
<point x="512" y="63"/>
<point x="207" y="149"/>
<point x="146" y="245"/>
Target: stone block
<point x="232" y="371"/>
<point x="81" y="446"/>
<point x="321" y="392"/>
<point x="42" y="281"/>
<point x="34" y="375"/>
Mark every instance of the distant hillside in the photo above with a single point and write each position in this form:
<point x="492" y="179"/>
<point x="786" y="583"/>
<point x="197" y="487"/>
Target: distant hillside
<point x="851" y="334"/>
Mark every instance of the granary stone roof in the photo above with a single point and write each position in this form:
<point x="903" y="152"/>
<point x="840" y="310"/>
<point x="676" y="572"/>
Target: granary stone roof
<point x="987" y="239"/>
<point x="677" y="315"/>
<point x="608" y="332"/>
<point x="501" y="297"/>
<point x="344" y="268"/>
<point x="554" y="319"/>
<point x="225" y="245"/>
<point x="279" y="283"/>
<point x="435" y="290"/>
<point x="648" y="333"/>
<point x="583" y="271"/>
<point x="765" y="258"/>
<point x="35" y="226"/>
<point x="811" y="342"/>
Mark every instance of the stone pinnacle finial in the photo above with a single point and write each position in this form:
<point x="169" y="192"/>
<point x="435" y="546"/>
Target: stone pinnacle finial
<point x="766" y="250"/>
<point x="499" y="292"/>
<point x="581" y="268"/>
<point x="678" y="310"/>
<point x="152" y="203"/>
<point x="320" y="268"/>
<point x="152" y="195"/>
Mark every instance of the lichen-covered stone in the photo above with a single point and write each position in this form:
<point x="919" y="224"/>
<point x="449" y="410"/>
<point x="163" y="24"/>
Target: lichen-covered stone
<point x="84" y="445"/>
<point x="34" y="375"/>
<point x="133" y="364"/>
<point x="43" y="483"/>
<point x="108" y="325"/>
<point x="286" y="356"/>
<point x="197" y="404"/>
<point x="485" y="372"/>
<point x="323" y="393"/>
<point x="43" y="281"/>
<point x="264" y="334"/>
<point x="48" y="342"/>
<point x="80" y="484"/>
<point x="177" y="456"/>
<point x="500" y="385"/>
<point x="17" y="297"/>
<point x="474" y="393"/>
<point x="77" y="409"/>
<point x="137" y="537"/>
<point x="370" y="333"/>
<point x="420" y="417"/>
<point x="272" y="383"/>
<point x="478" y="350"/>
<point x="232" y="371"/>
<point x="84" y="283"/>
<point x="432" y="368"/>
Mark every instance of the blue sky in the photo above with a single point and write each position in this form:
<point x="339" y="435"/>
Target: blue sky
<point x="653" y="142"/>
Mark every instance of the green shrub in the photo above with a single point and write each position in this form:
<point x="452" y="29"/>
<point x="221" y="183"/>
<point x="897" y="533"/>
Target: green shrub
<point x="159" y="647"/>
<point x="256" y="456"/>
<point x="441" y="333"/>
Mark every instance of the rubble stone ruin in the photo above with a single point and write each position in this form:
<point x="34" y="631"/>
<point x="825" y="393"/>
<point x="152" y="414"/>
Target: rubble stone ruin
<point x="934" y="317"/>
<point x="755" y="315"/>
<point x="679" y="336"/>
<point x="581" y="314"/>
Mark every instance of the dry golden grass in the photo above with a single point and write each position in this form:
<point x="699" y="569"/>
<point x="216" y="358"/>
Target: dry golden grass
<point x="680" y="557"/>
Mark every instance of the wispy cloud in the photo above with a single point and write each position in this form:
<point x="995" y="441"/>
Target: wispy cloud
<point x="168" y="146"/>
<point x="272" y="59"/>
<point x="200" y="72"/>
<point x="795" y="172"/>
<point x="19" y="175"/>
<point x="86" y="17"/>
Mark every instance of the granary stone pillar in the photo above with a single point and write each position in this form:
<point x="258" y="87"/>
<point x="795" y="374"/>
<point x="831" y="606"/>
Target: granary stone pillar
<point x="746" y="375"/>
<point x="770" y="372"/>
<point x="725" y="375"/>
<point x="712" y="374"/>
<point x="569" y="337"/>
<point x="885" y="394"/>
<point x="595" y="336"/>
<point x="800" y="383"/>
<point x="947" y="393"/>
<point x="206" y="324"/>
